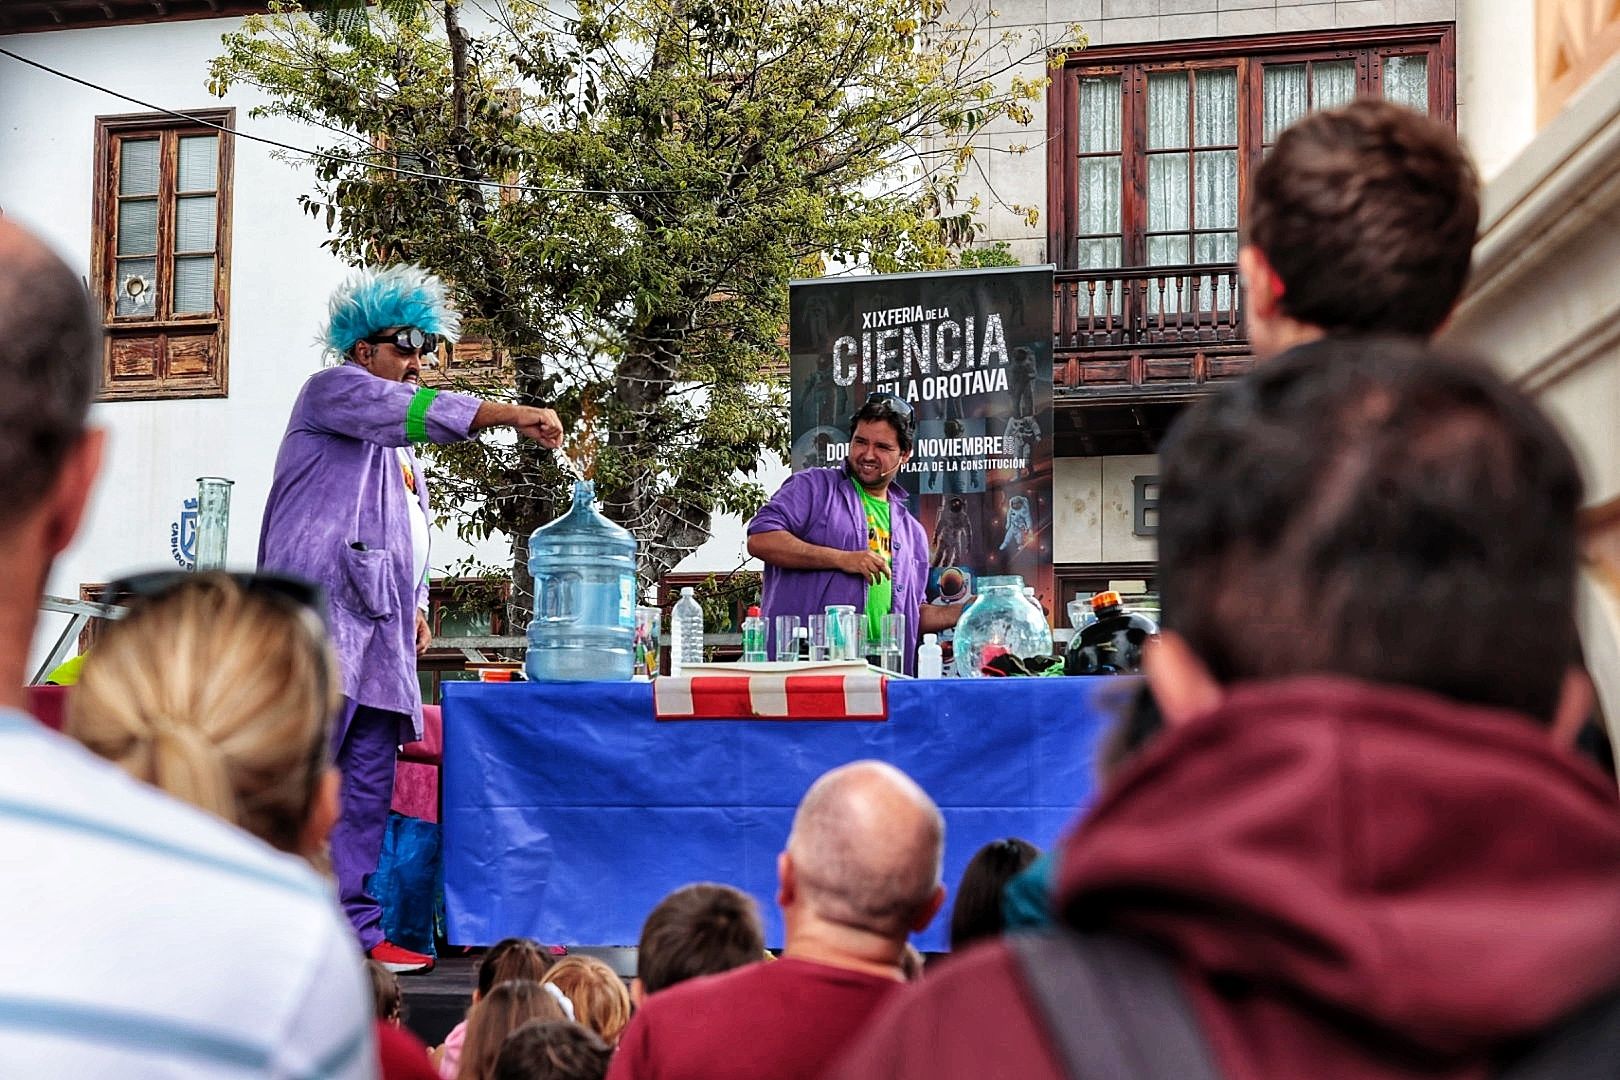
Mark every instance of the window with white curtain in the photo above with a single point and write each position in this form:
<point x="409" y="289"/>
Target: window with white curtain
<point x="162" y="247"/>
<point x="1158" y="141"/>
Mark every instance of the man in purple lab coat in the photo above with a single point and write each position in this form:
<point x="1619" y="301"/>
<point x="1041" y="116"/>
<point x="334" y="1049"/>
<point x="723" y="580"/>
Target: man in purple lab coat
<point x="843" y="535"/>
<point x="348" y="508"/>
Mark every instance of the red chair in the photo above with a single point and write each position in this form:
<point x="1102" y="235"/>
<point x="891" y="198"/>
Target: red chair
<point x="416" y="773"/>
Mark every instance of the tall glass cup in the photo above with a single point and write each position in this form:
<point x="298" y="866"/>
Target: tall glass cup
<point x="787" y="642"/>
<point x="892" y="644"/>
<point x="213" y="521"/>
<point x="842" y="629"/>
<point x="648" y="624"/>
<point x="817" y="625"/>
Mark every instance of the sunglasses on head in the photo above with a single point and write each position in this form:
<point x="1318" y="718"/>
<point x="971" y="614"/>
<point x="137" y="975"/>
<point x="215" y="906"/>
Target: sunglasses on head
<point x="408" y="340"/>
<point x="158" y="583"/>
<point x="308" y="601"/>
<point x="891" y="402"/>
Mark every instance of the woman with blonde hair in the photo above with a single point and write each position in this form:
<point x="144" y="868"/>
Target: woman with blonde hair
<point x="600" y="1000"/>
<point x="219" y="689"/>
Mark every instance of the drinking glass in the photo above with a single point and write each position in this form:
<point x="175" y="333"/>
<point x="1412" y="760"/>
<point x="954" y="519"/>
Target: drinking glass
<point x="842" y="626"/>
<point x="818" y="637"/>
<point x="213" y="521"/>
<point x="787" y="645"/>
<point x="892" y="645"/>
<point x="648" y="624"/>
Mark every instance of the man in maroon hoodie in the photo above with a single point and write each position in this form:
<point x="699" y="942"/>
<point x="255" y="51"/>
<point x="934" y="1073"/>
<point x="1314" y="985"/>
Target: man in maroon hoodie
<point x="1363" y="848"/>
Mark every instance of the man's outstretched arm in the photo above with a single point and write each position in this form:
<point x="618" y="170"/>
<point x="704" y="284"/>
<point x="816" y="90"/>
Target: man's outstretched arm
<point x="538" y="424"/>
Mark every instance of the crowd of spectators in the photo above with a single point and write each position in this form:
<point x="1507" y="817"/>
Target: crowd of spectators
<point x="1343" y="829"/>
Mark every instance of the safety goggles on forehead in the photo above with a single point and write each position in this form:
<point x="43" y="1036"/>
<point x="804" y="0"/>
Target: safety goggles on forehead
<point x="891" y="407"/>
<point x="408" y="340"/>
<point x="893" y="403"/>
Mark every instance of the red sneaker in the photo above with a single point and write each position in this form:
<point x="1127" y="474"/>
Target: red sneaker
<point x="400" y="961"/>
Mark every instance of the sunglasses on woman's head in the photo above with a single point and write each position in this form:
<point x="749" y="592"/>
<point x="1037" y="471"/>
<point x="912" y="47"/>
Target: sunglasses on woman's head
<point x="157" y="583"/>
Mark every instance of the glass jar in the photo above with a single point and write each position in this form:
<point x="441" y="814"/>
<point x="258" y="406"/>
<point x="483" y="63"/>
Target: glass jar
<point x="1001" y="619"/>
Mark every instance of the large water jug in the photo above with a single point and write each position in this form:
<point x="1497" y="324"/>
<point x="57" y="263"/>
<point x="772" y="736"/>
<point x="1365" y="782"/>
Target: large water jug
<point x="584" y="569"/>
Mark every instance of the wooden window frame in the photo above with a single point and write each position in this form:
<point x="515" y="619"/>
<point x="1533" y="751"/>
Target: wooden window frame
<point x="1369" y="47"/>
<point x="157" y="342"/>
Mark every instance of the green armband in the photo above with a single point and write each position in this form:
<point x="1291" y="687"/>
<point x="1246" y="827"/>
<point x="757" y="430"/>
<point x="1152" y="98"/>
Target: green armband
<point x="416" y="415"/>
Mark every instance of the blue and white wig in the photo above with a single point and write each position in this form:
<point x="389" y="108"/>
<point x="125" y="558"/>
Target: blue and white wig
<point x="371" y="301"/>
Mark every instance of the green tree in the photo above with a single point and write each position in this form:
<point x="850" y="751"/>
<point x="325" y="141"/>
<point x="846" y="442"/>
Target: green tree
<point x="619" y="195"/>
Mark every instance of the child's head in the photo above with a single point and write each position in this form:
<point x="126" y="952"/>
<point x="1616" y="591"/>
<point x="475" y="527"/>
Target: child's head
<point x="552" y="1050"/>
<point x="600" y="1000"/>
<point x="219" y="689"/>
<point x="512" y="958"/>
<point x="385" y="995"/>
<point x="977" y="912"/>
<point x="697" y="930"/>
<point x="507" y="1007"/>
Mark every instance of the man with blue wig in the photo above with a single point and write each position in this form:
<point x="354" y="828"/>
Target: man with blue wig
<point x="348" y="509"/>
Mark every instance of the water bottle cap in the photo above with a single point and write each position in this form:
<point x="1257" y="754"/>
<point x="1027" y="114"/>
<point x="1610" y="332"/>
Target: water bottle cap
<point x="1104" y="599"/>
<point x="753" y="611"/>
<point x="930" y="639"/>
<point x="686" y="590"/>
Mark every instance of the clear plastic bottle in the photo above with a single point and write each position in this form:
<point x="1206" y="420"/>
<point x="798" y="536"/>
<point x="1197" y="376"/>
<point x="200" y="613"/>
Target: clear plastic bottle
<point x="685" y="632"/>
<point x="753" y="638"/>
<point x="930" y="658"/>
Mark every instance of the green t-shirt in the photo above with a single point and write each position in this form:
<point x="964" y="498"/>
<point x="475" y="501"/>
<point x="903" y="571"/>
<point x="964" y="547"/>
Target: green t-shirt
<point x="879" y="597"/>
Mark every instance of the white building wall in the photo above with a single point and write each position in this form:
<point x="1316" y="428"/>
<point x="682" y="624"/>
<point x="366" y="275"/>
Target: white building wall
<point x="280" y="280"/>
<point x="1094" y="509"/>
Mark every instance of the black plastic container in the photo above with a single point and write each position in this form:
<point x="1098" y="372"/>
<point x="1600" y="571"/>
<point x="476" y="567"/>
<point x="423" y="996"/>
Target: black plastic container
<point x="1112" y="645"/>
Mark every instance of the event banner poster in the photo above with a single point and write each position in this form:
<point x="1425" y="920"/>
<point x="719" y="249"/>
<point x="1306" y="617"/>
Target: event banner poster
<point x="971" y="352"/>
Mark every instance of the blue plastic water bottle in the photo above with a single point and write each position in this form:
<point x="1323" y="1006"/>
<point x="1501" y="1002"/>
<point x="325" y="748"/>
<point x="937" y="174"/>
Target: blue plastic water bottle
<point x="584" y="569"/>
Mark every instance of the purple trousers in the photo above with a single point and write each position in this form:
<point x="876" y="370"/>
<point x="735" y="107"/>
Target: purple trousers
<point x="365" y="743"/>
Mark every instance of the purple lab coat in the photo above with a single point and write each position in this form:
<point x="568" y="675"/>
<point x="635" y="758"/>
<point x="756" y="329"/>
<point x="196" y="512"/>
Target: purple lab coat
<point x="821" y="506"/>
<point x="338" y="515"/>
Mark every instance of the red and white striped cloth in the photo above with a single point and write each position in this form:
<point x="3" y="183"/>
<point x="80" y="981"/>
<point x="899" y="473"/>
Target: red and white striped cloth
<point x="740" y="693"/>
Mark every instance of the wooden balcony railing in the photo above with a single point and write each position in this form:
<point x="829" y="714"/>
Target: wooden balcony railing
<point x="1161" y="327"/>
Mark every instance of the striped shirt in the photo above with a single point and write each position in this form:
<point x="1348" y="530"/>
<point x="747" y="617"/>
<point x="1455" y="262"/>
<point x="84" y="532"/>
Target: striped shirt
<point x="144" y="938"/>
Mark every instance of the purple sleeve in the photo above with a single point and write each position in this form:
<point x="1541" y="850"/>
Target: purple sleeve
<point x="790" y="509"/>
<point x="347" y="400"/>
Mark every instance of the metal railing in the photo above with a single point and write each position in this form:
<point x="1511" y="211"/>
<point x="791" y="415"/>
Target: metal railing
<point x="1147" y="306"/>
<point x="80" y="613"/>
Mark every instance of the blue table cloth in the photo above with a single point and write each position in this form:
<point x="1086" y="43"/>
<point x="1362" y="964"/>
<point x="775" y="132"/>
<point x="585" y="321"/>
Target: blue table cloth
<point x="569" y="811"/>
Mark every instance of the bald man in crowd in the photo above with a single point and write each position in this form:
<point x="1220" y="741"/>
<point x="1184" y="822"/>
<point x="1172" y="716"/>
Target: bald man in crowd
<point x="860" y="874"/>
